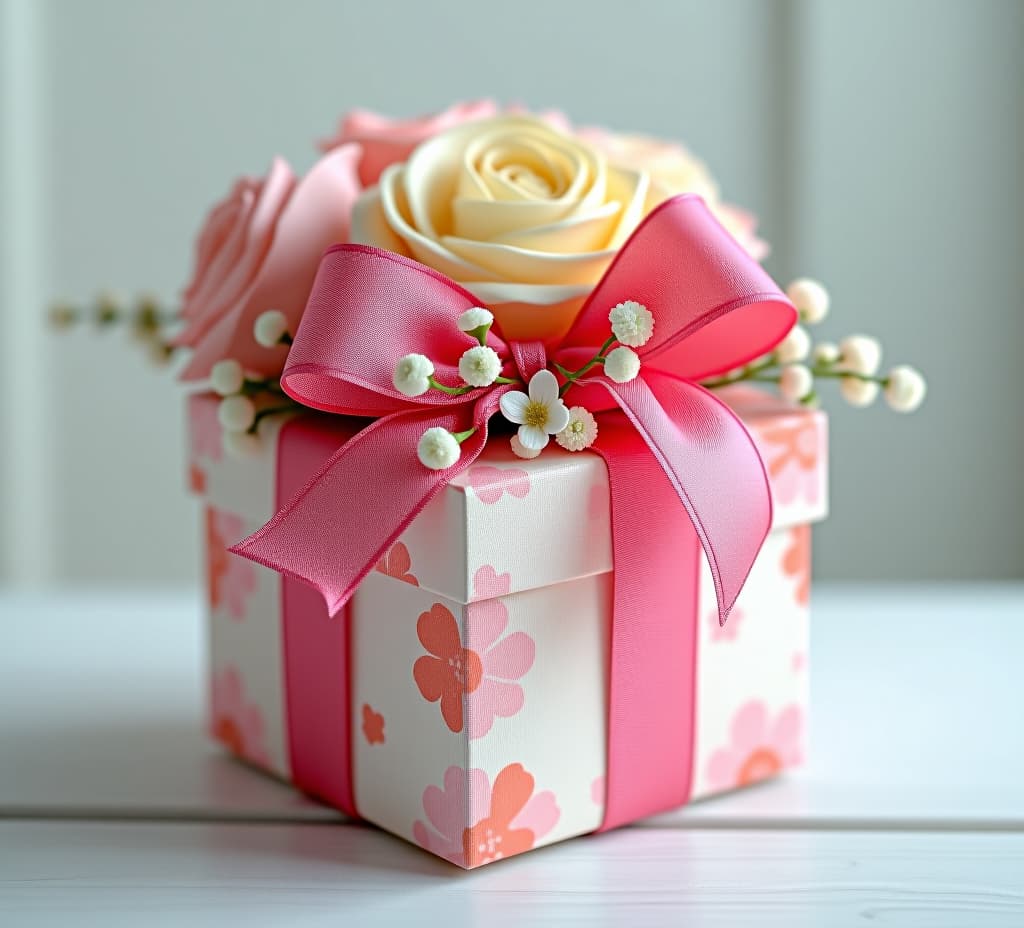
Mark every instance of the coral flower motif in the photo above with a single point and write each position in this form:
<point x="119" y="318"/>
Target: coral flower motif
<point x="796" y="562"/>
<point x="373" y="725"/>
<point x="503" y="820"/>
<point x="396" y="563"/>
<point x="196" y="479"/>
<point x="473" y="682"/>
<point x="235" y="722"/>
<point x="759" y="746"/>
<point x="792" y="458"/>
<point x="230" y="579"/>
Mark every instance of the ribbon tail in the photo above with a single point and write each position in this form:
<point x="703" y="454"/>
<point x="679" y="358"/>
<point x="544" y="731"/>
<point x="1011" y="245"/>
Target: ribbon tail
<point x="713" y="466"/>
<point x="338" y="526"/>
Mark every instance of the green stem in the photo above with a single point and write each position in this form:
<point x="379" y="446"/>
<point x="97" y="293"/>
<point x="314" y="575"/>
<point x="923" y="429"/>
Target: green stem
<point x="269" y="411"/>
<point x="451" y="391"/>
<point x="460" y="437"/>
<point x="572" y="376"/>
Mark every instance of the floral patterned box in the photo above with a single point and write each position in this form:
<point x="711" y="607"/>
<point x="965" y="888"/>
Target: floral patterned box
<point x="476" y="672"/>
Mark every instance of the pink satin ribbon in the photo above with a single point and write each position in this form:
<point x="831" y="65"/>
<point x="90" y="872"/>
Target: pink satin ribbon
<point x="714" y="309"/>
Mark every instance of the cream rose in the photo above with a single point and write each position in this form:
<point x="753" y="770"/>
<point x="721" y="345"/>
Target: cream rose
<point x="524" y="216"/>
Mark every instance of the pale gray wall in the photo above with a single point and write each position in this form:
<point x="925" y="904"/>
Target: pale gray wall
<point x="881" y="143"/>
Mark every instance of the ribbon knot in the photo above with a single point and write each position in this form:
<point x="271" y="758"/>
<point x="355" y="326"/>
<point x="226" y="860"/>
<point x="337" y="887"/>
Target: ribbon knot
<point x="529" y="357"/>
<point x="714" y="309"/>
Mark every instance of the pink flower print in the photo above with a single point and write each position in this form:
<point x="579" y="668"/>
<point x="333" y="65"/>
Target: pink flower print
<point x="503" y="820"/>
<point x="597" y="791"/>
<point x="488" y="583"/>
<point x="730" y="630"/>
<point x="396" y="563"/>
<point x="230" y="579"/>
<point x="792" y="460"/>
<point x="796" y="562"/>
<point x="798" y="661"/>
<point x="759" y="747"/>
<point x="474" y="683"/>
<point x="234" y="722"/>
<point x="205" y="429"/>
<point x="489" y="483"/>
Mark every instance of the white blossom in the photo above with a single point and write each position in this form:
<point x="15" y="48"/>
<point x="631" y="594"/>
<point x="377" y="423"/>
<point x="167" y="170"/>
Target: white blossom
<point x="527" y="454"/>
<point x="905" y="388"/>
<point x="438" y="448"/>
<point x="270" y="327"/>
<point x="858" y="392"/>
<point x="810" y="299"/>
<point x="580" y="432"/>
<point x="795" y="382"/>
<point x="860" y="354"/>
<point x="412" y="374"/>
<point x="236" y="413"/>
<point x="476" y="318"/>
<point x="539" y="414"/>
<point x="227" y="377"/>
<point x="825" y="353"/>
<point x="794" y="347"/>
<point x="632" y="323"/>
<point x="622" y="364"/>
<point x="480" y="366"/>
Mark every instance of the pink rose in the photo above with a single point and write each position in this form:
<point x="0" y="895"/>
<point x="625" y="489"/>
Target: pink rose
<point x="259" y="250"/>
<point x="385" y="141"/>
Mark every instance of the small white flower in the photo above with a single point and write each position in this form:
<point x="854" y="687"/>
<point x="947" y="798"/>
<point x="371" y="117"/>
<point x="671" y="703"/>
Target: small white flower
<point x="241" y="444"/>
<point x="227" y="377"/>
<point x="538" y="415"/>
<point x="236" y="413"/>
<point x="632" y="323"/>
<point x="795" y="382"/>
<point x="905" y="388"/>
<point x="270" y="327"/>
<point x="794" y="347"/>
<point x="438" y="449"/>
<point x="825" y="353"/>
<point x="412" y="374"/>
<point x="861" y="354"/>
<point x="858" y="392"/>
<point x="527" y="454"/>
<point x="480" y="366"/>
<point x="476" y="318"/>
<point x="810" y="299"/>
<point x="622" y="364"/>
<point x="581" y="432"/>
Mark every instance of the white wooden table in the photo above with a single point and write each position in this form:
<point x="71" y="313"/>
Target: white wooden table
<point x="114" y="810"/>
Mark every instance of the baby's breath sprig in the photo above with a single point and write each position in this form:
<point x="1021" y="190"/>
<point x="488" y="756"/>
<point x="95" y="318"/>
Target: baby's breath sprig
<point x="797" y="362"/>
<point x="145" y="318"/>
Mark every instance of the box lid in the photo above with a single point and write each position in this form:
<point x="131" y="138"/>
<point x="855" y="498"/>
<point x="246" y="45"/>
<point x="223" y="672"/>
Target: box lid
<point x="507" y="525"/>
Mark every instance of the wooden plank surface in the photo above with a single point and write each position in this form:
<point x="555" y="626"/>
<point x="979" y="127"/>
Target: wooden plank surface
<point x="223" y="874"/>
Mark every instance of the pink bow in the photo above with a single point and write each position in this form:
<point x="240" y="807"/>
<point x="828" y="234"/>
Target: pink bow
<point x="714" y="309"/>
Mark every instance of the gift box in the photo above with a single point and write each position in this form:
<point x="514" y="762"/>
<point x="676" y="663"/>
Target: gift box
<point x="464" y="698"/>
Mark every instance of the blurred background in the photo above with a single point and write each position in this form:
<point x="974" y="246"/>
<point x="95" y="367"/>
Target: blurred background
<point x="881" y="143"/>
